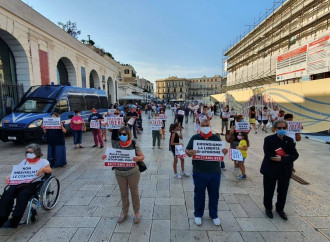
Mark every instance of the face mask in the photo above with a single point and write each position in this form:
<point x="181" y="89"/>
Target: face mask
<point x="30" y="156"/>
<point x="123" y="138"/>
<point x="242" y="120"/>
<point x="239" y="137"/>
<point x="281" y="132"/>
<point x="79" y="114"/>
<point x="205" y="130"/>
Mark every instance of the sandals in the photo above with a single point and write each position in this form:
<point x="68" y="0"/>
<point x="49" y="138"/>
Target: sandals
<point x="137" y="219"/>
<point x="122" y="218"/>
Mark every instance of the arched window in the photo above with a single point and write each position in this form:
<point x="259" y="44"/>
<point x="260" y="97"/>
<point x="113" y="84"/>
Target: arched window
<point x="7" y="64"/>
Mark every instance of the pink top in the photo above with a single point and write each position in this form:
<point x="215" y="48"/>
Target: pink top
<point x="76" y="126"/>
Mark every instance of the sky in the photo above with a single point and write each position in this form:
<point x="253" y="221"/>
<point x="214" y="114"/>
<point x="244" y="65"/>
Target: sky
<point x="160" y="38"/>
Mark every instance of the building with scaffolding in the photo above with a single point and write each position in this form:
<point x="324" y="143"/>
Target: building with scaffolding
<point x="284" y="60"/>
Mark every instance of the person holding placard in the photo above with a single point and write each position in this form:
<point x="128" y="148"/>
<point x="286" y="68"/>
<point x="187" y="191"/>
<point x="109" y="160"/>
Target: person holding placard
<point x="162" y="112"/>
<point x="128" y="177"/>
<point x="265" y="117"/>
<point x="77" y="126"/>
<point x="242" y="147"/>
<point x="56" y="144"/>
<point x="280" y="153"/>
<point x="95" y="120"/>
<point x="180" y="116"/>
<point x="22" y="192"/>
<point x="225" y="115"/>
<point x="156" y="131"/>
<point x="114" y="132"/>
<point x="175" y="140"/>
<point x="252" y="118"/>
<point x="232" y="117"/>
<point x="131" y="118"/>
<point x="206" y="175"/>
<point x="232" y="132"/>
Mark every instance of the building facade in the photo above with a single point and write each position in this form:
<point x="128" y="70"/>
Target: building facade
<point x="172" y="88"/>
<point x="202" y="88"/>
<point x="284" y="61"/>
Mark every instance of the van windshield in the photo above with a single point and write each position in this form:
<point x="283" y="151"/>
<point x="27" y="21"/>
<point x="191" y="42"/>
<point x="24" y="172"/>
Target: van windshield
<point x="35" y="105"/>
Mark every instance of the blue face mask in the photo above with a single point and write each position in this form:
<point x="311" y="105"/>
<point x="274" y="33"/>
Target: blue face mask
<point x="123" y="138"/>
<point x="242" y="120"/>
<point x="281" y="132"/>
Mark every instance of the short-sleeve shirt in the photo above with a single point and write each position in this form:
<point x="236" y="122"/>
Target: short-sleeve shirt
<point x="36" y="166"/>
<point x="95" y="116"/>
<point x="243" y="143"/>
<point x="130" y="147"/>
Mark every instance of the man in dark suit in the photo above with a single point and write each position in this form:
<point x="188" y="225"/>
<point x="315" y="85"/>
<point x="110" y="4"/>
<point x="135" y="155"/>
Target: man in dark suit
<point x="280" y="153"/>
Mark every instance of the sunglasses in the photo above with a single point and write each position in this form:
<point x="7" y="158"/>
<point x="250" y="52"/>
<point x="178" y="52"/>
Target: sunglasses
<point x="124" y="134"/>
<point x="117" y="113"/>
<point x="283" y="128"/>
<point x="28" y="152"/>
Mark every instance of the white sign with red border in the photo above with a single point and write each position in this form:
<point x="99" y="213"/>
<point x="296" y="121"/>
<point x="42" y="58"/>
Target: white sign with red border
<point x="156" y="124"/>
<point x="51" y="123"/>
<point x="242" y="127"/>
<point x="208" y="150"/>
<point x="235" y="155"/>
<point x="162" y="116"/>
<point x="111" y="111"/>
<point x="119" y="158"/>
<point x="180" y="112"/>
<point x="94" y="124"/>
<point x="22" y="174"/>
<point x="114" y="122"/>
<point x="179" y="152"/>
<point x="131" y="121"/>
<point x="294" y="127"/>
<point x="226" y="115"/>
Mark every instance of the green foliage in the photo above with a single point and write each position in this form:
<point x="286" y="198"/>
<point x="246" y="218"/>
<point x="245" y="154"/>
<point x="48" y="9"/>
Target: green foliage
<point x="70" y="28"/>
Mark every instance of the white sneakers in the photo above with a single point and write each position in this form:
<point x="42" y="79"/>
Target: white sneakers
<point x="177" y="175"/>
<point x="184" y="174"/>
<point x="198" y="221"/>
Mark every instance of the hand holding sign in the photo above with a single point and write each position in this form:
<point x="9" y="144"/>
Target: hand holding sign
<point x="209" y="150"/>
<point x="119" y="158"/>
<point x="51" y="123"/>
<point x="235" y="155"/>
<point x="179" y="152"/>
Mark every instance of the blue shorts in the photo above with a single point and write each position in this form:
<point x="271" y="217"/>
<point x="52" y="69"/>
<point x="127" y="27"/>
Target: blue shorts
<point x="241" y="160"/>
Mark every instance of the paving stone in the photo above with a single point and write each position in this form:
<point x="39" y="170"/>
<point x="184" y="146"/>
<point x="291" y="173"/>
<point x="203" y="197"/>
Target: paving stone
<point x="170" y="201"/>
<point x="223" y="206"/>
<point x="229" y="198"/>
<point x="158" y="194"/>
<point x="249" y="206"/>
<point x="76" y="211"/>
<point x="207" y="225"/>
<point x="237" y="210"/>
<point x="141" y="231"/>
<point x="224" y="236"/>
<point x="283" y="236"/>
<point x="119" y="237"/>
<point x="147" y="207"/>
<point x="252" y="236"/>
<point x="326" y="233"/>
<point x="319" y="222"/>
<point x="228" y="222"/>
<point x="104" y="229"/>
<point x="91" y="187"/>
<point x="75" y="222"/>
<point x="112" y="200"/>
<point x="126" y="226"/>
<point x="162" y="212"/>
<point x="186" y="235"/>
<point x="82" y="234"/>
<point x="54" y="234"/>
<point x="256" y="224"/>
<point x="282" y="225"/>
<point x="179" y="217"/>
<point x="160" y="230"/>
<point x="107" y="212"/>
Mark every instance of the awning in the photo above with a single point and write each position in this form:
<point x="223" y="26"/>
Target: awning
<point x="131" y="97"/>
<point x="219" y="97"/>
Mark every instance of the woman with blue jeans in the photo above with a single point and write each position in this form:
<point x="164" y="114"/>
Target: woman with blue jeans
<point x="77" y="125"/>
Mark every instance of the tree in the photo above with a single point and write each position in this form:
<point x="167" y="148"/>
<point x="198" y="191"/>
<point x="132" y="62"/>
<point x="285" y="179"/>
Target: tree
<point x="70" y="28"/>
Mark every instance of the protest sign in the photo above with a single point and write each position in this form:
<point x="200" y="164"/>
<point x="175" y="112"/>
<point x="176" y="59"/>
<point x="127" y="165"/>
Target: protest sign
<point x="196" y="127"/>
<point x="162" y="116"/>
<point x="209" y="150"/>
<point x="226" y="115"/>
<point x="111" y="111"/>
<point x="119" y="158"/>
<point x="94" y="124"/>
<point x="179" y="152"/>
<point x="51" y="123"/>
<point x="156" y="124"/>
<point x="235" y="155"/>
<point x="294" y="127"/>
<point x="114" y="122"/>
<point x="202" y="117"/>
<point x="22" y="174"/>
<point x="180" y="112"/>
<point x="131" y="121"/>
<point x="242" y="127"/>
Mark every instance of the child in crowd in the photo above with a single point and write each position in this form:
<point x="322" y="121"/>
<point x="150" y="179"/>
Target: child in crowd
<point x="243" y="147"/>
<point x="175" y="140"/>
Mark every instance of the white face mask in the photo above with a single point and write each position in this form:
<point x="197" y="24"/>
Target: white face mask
<point x="205" y="130"/>
<point x="30" y="156"/>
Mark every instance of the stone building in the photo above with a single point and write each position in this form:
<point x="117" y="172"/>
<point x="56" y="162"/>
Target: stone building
<point x="172" y="88"/>
<point x="201" y="88"/>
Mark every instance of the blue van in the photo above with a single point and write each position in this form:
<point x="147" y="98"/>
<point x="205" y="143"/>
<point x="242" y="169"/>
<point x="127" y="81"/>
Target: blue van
<point x="24" y="123"/>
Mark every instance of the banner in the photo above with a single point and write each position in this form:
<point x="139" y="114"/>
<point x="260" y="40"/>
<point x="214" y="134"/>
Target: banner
<point x="208" y="150"/>
<point x="156" y="124"/>
<point x="162" y="116"/>
<point x="94" y="124"/>
<point x="22" y="174"/>
<point x="235" y="155"/>
<point x="242" y="127"/>
<point x="294" y="127"/>
<point x="179" y="152"/>
<point x="51" y="123"/>
<point x="111" y="111"/>
<point x="180" y="112"/>
<point x="131" y="121"/>
<point x="114" y="122"/>
<point x="226" y="115"/>
<point x="119" y="158"/>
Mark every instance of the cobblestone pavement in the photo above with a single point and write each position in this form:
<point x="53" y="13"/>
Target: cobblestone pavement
<point x="90" y="199"/>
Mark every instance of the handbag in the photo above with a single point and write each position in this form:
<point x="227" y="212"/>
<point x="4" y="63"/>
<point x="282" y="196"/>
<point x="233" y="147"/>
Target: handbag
<point x="141" y="164"/>
<point x="229" y="137"/>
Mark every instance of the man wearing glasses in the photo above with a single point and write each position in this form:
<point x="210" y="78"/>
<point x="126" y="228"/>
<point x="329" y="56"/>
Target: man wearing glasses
<point x="280" y="153"/>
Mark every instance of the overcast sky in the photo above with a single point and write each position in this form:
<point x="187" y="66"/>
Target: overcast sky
<point x="160" y="38"/>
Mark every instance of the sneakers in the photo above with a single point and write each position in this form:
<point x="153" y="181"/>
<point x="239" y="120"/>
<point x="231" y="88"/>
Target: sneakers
<point x="183" y="173"/>
<point x="241" y="177"/>
<point x="198" y="221"/>
<point x="255" y="132"/>
<point x="216" y="221"/>
<point x="177" y="175"/>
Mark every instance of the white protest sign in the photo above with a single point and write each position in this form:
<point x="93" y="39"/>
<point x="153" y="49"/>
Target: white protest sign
<point x="162" y="116"/>
<point x="180" y="112"/>
<point x="22" y="174"/>
<point x="226" y="115"/>
<point x="235" y="155"/>
<point x="114" y="122"/>
<point x="156" y="124"/>
<point x="94" y="124"/>
<point x="294" y="127"/>
<point x="242" y="126"/>
<point x="111" y="111"/>
<point x="208" y="150"/>
<point x="196" y="127"/>
<point x="51" y="123"/>
<point x="119" y="158"/>
<point x="202" y="117"/>
<point x="131" y="121"/>
<point x="179" y="152"/>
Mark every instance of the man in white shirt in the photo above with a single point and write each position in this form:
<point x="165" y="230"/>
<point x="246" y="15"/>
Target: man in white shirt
<point x="274" y="114"/>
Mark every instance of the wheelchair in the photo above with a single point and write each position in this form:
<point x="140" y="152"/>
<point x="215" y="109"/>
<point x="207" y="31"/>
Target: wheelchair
<point x="46" y="197"/>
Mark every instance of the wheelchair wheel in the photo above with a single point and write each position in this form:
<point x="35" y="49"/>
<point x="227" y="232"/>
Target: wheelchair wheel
<point x="49" y="193"/>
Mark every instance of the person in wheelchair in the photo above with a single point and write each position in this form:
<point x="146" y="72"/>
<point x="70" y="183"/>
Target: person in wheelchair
<point x="22" y="192"/>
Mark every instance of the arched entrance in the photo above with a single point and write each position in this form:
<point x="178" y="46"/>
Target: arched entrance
<point x="110" y="87"/>
<point x="65" y="72"/>
<point x="94" y="80"/>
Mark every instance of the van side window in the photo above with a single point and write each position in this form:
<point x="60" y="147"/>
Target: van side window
<point x="77" y="103"/>
<point x="92" y="102"/>
<point x="62" y="106"/>
<point x="104" y="102"/>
